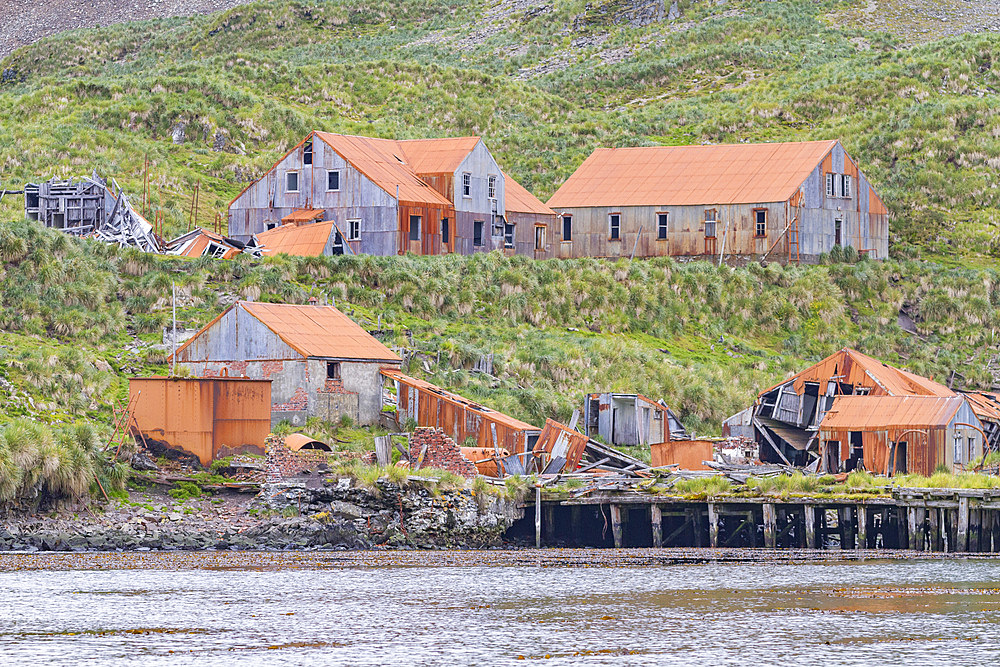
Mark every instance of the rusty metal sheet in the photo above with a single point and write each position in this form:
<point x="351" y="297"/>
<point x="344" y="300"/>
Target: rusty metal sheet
<point x="207" y="417"/>
<point x="561" y="442"/>
<point x="687" y="454"/>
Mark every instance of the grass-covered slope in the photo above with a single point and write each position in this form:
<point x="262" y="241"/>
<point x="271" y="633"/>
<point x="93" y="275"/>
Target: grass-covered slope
<point x="544" y="82"/>
<point x="706" y="339"/>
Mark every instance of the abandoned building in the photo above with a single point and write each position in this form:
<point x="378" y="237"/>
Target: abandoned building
<point x="88" y="207"/>
<point x="387" y="197"/>
<point x="204" y="243"/>
<point x="786" y="419"/>
<point x="894" y="435"/>
<point x="784" y="201"/>
<point x="461" y="419"/>
<point x="320" y="362"/>
<point x="630" y="419"/>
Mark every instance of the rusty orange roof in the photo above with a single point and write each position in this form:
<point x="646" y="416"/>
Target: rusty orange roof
<point x="986" y="406"/>
<point x="302" y="240"/>
<point x="195" y="242"/>
<point x="489" y="413"/>
<point x="691" y="175"/>
<point x="305" y="215"/>
<point x="319" y="331"/>
<point x="882" y="412"/>
<point x="517" y="199"/>
<point x="437" y="156"/>
<point x="384" y="162"/>
<point x="849" y="366"/>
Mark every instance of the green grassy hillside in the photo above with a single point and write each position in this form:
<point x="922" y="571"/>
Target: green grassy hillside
<point x="704" y="338"/>
<point x="543" y="82"/>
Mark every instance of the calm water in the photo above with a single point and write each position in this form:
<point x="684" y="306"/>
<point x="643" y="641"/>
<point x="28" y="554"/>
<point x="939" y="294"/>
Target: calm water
<point x="491" y="609"/>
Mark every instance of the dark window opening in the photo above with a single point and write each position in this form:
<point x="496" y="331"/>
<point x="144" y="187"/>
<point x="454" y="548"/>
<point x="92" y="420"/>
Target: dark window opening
<point x="445" y="231"/>
<point x="414" y="227"/>
<point x="292" y="181"/>
<point x="615" y="225"/>
<point x="539" y="238"/>
<point x="271" y="225"/>
<point x="477" y="233"/>
<point x="466" y="185"/>
<point x="760" y="222"/>
<point x="333" y="370"/>
<point x="508" y="235"/>
<point x="307" y="153"/>
<point x="333" y="180"/>
<point x="338" y="244"/>
<point x="567" y="228"/>
<point x="837" y="227"/>
<point x="661" y="226"/>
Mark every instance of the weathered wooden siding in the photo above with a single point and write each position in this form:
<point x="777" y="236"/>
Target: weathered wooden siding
<point x="267" y="201"/>
<point x="237" y="336"/>
<point x="524" y="235"/>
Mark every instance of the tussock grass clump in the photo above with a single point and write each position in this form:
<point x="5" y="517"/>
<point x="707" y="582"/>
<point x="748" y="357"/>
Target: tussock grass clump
<point x="943" y="480"/>
<point x="703" y="487"/>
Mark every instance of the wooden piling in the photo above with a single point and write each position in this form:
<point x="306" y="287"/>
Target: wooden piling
<point x="810" y="516"/>
<point x="911" y="527"/>
<point x="656" y="518"/>
<point x="962" y="538"/>
<point x="770" y="526"/>
<point x="862" y="541"/>
<point x="933" y="518"/>
<point x="844" y="527"/>
<point x="713" y="526"/>
<point x="538" y="517"/>
<point x="616" y="525"/>
<point x="974" y="529"/>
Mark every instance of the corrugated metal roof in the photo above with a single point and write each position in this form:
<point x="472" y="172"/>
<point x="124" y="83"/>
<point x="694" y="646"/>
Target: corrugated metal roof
<point x="852" y="367"/>
<point x="517" y="199"/>
<point x="986" y="406"/>
<point x="437" y="156"/>
<point x="291" y="239"/>
<point x="319" y="331"/>
<point x="385" y="164"/>
<point x="691" y="175"/>
<point x="489" y="413"/>
<point x="304" y="215"/>
<point x="861" y="413"/>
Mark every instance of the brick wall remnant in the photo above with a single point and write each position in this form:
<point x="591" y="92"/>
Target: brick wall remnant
<point x="442" y="452"/>
<point x="281" y="463"/>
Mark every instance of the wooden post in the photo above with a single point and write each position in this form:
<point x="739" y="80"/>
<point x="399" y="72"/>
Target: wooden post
<point x="844" y="526"/>
<point x="935" y="528"/>
<point x="862" y="541"/>
<point x="576" y="523"/>
<point x="713" y="526"/>
<point x="549" y="524"/>
<point x="962" y="540"/>
<point x="770" y="526"/>
<point x="616" y="525"/>
<point x="538" y="517"/>
<point x="911" y="527"/>
<point x="974" y="529"/>
<point x="656" y="518"/>
<point x="810" y="517"/>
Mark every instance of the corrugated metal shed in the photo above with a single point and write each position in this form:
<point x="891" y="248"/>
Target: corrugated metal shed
<point x="691" y="175"/>
<point x="310" y="240"/>
<point x="208" y="417"/>
<point x="312" y="331"/>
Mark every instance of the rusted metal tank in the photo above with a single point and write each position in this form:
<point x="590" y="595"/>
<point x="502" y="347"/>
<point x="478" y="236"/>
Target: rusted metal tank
<point x="209" y="418"/>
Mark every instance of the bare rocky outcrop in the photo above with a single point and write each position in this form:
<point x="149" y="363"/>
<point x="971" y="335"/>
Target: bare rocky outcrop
<point x="23" y="22"/>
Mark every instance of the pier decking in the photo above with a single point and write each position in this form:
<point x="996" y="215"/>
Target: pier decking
<point x="934" y="520"/>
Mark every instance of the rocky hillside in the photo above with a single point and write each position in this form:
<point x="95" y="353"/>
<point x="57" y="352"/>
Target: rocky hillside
<point x="24" y="22"/>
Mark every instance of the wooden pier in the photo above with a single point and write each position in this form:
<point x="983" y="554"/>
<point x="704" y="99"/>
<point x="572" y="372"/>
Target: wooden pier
<point x="937" y="520"/>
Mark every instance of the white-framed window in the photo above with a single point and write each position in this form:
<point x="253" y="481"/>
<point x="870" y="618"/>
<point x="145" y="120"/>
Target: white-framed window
<point x="614" y="226"/>
<point x="711" y="218"/>
<point x="333" y="180"/>
<point x="508" y="235"/>
<point x="273" y="224"/>
<point x="662" y="220"/>
<point x="845" y="185"/>
<point x="539" y="237"/>
<point x="292" y="181"/>
<point x="493" y="187"/>
<point x="567" y="228"/>
<point x="307" y="153"/>
<point x="466" y="185"/>
<point x="958" y="447"/>
<point x="354" y="229"/>
<point x="760" y="222"/>
<point x="831" y="190"/>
